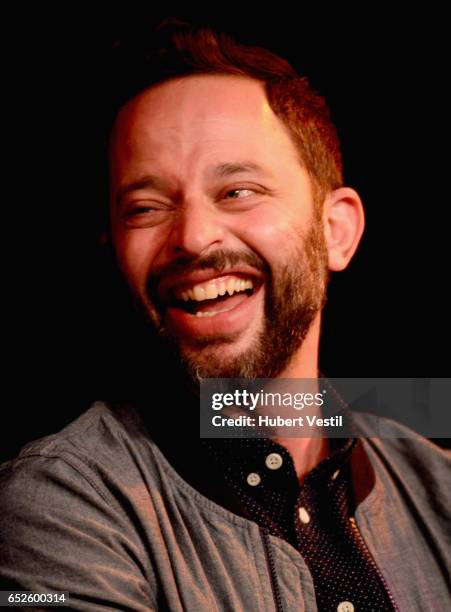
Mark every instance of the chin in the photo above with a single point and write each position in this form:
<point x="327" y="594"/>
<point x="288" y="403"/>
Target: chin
<point x="224" y="361"/>
<point x="221" y="360"/>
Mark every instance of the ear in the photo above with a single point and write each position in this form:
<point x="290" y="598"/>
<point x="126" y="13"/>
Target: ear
<point x="343" y="220"/>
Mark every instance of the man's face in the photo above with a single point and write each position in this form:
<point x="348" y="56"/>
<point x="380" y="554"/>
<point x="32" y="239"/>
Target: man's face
<point x="214" y="225"/>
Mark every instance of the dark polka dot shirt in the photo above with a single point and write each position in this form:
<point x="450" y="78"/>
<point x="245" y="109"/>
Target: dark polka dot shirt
<point x="315" y="517"/>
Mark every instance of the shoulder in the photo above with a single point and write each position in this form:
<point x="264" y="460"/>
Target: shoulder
<point x="100" y="458"/>
<point x="64" y="518"/>
<point x="72" y="468"/>
<point x="96" y="444"/>
<point x="414" y="461"/>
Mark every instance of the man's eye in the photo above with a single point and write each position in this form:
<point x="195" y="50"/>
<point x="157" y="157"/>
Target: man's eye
<point x="145" y="216"/>
<point x="138" y="210"/>
<point x="233" y="193"/>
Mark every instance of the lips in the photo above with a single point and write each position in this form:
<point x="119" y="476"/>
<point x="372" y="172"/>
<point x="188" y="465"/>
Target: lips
<point x="207" y="304"/>
<point x="213" y="296"/>
<point x="174" y="285"/>
<point x="214" y="288"/>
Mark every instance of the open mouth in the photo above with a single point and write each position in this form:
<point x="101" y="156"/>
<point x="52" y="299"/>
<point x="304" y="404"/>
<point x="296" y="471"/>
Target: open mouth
<point x="205" y="304"/>
<point x="213" y="297"/>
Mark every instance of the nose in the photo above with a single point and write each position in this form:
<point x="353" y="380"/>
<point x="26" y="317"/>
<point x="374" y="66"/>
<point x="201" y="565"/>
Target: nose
<point x="196" y="228"/>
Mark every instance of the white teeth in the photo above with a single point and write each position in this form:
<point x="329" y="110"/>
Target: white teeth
<point x="199" y="293"/>
<point x="212" y="289"/>
<point x="212" y="314"/>
<point x="211" y="292"/>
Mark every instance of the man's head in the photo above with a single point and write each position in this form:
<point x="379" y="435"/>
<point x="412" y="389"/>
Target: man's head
<point x="227" y="208"/>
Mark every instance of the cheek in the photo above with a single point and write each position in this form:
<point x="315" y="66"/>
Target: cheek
<point x="270" y="236"/>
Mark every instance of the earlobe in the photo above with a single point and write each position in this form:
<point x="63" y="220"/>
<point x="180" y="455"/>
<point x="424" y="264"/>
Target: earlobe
<point x="344" y="220"/>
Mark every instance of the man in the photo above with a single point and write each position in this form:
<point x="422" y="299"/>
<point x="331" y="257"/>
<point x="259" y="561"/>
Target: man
<point x="227" y="211"/>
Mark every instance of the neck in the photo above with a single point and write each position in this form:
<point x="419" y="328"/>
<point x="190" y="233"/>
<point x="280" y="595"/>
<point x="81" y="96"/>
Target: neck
<point x="306" y="453"/>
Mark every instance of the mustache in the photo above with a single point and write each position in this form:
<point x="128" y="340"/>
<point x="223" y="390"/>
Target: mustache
<point x="220" y="260"/>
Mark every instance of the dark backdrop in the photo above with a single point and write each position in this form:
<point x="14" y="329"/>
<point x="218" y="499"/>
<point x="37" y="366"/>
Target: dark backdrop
<point x="387" y="315"/>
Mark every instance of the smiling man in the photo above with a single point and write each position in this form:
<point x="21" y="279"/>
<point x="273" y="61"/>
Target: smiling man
<point x="227" y="211"/>
<point x="218" y="233"/>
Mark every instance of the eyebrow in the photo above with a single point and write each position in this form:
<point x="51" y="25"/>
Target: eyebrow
<point x="224" y="170"/>
<point x="148" y="181"/>
<point x="228" y="169"/>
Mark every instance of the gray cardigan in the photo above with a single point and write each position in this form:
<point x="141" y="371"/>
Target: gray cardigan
<point x="97" y="510"/>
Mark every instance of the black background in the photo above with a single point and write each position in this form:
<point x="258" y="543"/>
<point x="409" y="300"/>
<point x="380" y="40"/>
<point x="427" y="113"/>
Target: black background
<point x="385" y="78"/>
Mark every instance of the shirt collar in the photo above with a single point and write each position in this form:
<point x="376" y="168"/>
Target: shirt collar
<point x="205" y="463"/>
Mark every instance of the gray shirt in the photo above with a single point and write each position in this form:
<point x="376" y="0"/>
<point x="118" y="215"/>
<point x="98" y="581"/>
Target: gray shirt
<point x="98" y="510"/>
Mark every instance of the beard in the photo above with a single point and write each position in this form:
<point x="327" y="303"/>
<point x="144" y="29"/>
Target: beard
<point x="294" y="294"/>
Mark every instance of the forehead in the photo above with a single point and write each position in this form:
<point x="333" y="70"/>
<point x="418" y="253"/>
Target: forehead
<point x="195" y="114"/>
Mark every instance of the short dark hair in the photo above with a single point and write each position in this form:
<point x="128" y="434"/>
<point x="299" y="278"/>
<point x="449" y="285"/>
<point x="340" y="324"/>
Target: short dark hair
<point x="178" y="49"/>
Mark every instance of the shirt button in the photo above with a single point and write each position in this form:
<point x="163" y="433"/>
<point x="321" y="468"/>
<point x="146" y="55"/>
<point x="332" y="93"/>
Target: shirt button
<point x="304" y="515"/>
<point x="253" y="479"/>
<point x="335" y="474"/>
<point x="274" y="461"/>
<point x="345" y="606"/>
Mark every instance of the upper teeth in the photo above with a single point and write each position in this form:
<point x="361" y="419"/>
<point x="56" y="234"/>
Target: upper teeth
<point x="213" y="288"/>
